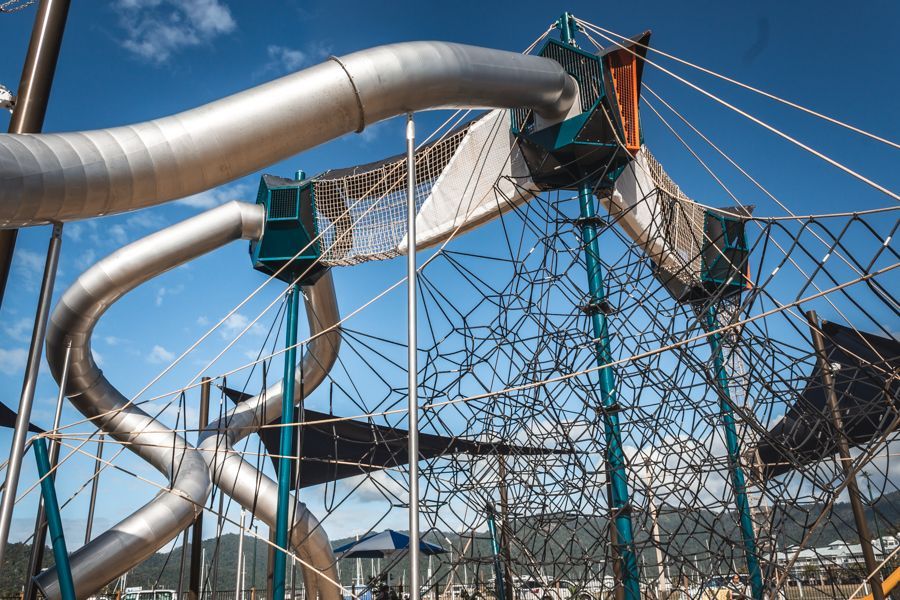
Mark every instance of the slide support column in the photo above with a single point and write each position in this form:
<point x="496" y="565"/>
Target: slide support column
<point x="287" y="434"/>
<point x="615" y="457"/>
<point x="738" y="482"/>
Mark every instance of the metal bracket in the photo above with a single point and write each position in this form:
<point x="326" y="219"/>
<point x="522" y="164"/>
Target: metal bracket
<point x="594" y="220"/>
<point x="594" y="308"/>
<point x="611" y="408"/>
<point x="625" y="510"/>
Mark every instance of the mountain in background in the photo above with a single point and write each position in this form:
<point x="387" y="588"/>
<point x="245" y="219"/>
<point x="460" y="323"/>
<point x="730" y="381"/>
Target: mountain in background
<point x="684" y="533"/>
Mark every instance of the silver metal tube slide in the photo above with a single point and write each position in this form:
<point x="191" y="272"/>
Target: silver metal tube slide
<point x="171" y="510"/>
<point x="251" y="488"/>
<point x="66" y="176"/>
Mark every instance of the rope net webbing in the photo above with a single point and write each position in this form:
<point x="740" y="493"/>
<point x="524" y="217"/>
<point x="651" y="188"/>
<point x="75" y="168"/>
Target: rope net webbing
<point x="361" y="211"/>
<point x="370" y="202"/>
<point x="505" y="320"/>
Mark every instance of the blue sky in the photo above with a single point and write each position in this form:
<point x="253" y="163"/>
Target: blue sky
<point x="131" y="60"/>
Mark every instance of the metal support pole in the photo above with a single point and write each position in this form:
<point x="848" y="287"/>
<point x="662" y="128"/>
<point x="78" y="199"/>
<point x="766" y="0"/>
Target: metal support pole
<point x="253" y="565"/>
<point x="215" y="558"/>
<point x="39" y="538"/>
<point x="294" y="577"/>
<point x="95" y="485"/>
<point x="238" y="591"/>
<point x="734" y="457"/>
<point x="859" y="515"/>
<point x="270" y="562"/>
<point x="33" y="95"/>
<point x="504" y="529"/>
<point x="618" y="589"/>
<point x="662" y="585"/>
<point x="287" y="434"/>
<point x="33" y="365"/>
<point x="615" y="457"/>
<point x="184" y="543"/>
<point x="194" y="579"/>
<point x="412" y="365"/>
<point x="204" y="589"/>
<point x="60" y="555"/>
<point x="567" y="28"/>
<point x="499" y="577"/>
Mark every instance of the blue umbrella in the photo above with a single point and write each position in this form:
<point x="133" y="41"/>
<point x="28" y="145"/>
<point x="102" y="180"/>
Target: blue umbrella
<point x="381" y="545"/>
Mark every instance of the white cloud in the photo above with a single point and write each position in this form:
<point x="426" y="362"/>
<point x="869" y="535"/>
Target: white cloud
<point x="157" y="29"/>
<point x="86" y="259"/>
<point x="372" y="132"/>
<point x="160" y="355"/>
<point x="202" y="321"/>
<point x="112" y="340"/>
<point x="30" y="261"/>
<point x="19" y="330"/>
<point x="74" y="231"/>
<point x="284" y="59"/>
<point x="13" y="361"/>
<point x="118" y="235"/>
<point x="219" y="195"/>
<point x="164" y="291"/>
<point x="145" y="219"/>
<point x="29" y="267"/>
<point x="235" y="324"/>
<point x="381" y="486"/>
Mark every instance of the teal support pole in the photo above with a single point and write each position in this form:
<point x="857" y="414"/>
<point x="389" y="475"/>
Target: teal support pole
<point x="54" y="522"/>
<point x="567" y="28"/>
<point x="279" y="569"/>
<point x="615" y="457"/>
<point x="499" y="577"/>
<point x="734" y="457"/>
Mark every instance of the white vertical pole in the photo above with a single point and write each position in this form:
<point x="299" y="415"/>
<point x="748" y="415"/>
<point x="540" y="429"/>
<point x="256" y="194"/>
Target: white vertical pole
<point x="240" y="556"/>
<point x="662" y="585"/>
<point x="244" y="574"/>
<point x="294" y="568"/>
<point x="359" y="577"/>
<point x="203" y="573"/>
<point x="413" y="446"/>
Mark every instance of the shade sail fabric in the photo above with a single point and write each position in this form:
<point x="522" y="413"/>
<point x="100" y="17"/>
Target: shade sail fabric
<point x="335" y="448"/>
<point x="382" y="545"/>
<point x="8" y="419"/>
<point x="868" y="397"/>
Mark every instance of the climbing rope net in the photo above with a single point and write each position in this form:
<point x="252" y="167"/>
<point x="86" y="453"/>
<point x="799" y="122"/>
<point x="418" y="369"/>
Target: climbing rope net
<point x="509" y="356"/>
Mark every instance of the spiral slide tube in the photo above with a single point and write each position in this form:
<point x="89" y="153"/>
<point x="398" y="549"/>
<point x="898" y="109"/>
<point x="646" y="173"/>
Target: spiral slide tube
<point x="140" y="535"/>
<point x="65" y="176"/>
<point x="144" y="532"/>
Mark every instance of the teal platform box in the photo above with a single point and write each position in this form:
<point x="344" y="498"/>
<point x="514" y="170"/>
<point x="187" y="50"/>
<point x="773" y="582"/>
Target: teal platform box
<point x="289" y="245"/>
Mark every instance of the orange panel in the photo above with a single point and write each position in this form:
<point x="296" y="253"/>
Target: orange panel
<point x="623" y="68"/>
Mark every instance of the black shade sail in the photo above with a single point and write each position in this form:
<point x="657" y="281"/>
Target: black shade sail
<point x="868" y="396"/>
<point x="335" y="448"/>
<point x="8" y="419"/>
